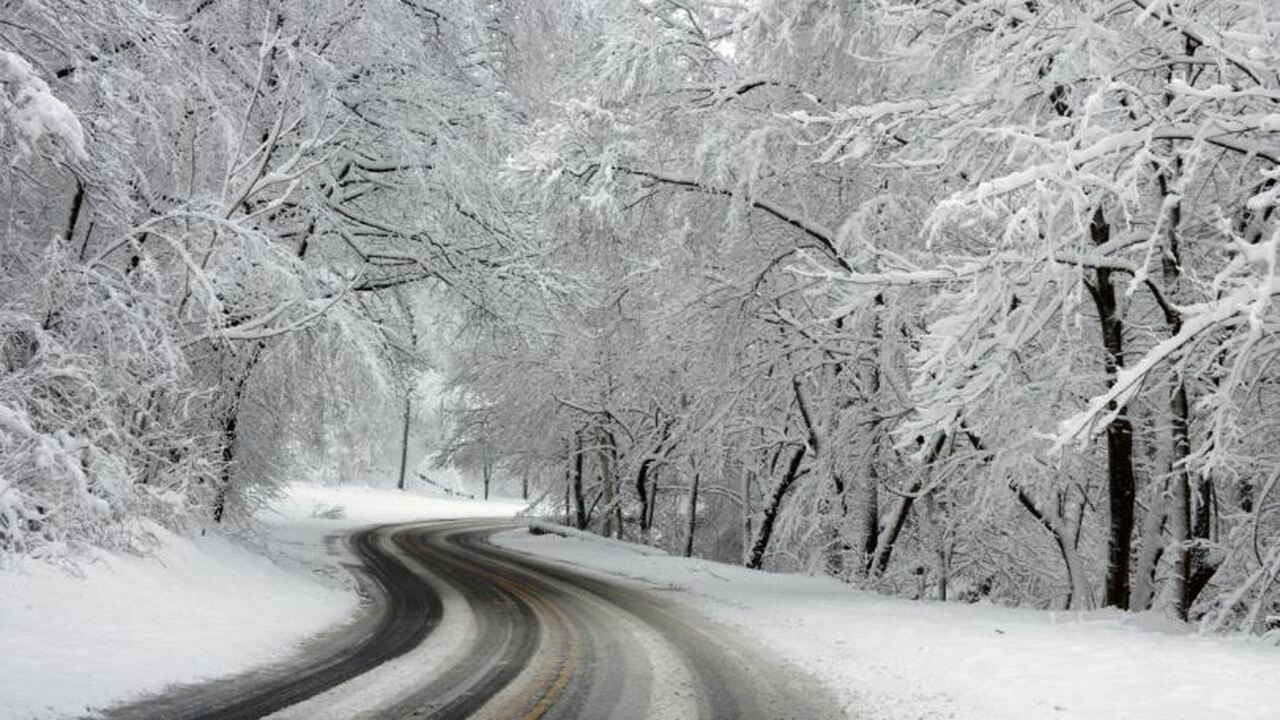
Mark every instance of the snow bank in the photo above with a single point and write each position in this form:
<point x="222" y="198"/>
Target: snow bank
<point x="892" y="659"/>
<point x="198" y="609"/>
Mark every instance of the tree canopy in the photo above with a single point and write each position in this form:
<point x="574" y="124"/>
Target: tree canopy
<point x="951" y="299"/>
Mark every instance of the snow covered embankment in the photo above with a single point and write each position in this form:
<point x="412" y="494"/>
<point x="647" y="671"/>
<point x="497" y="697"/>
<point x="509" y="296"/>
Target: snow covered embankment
<point x="196" y="610"/>
<point x="891" y="659"/>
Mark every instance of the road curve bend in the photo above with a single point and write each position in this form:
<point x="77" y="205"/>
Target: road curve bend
<point x="465" y="629"/>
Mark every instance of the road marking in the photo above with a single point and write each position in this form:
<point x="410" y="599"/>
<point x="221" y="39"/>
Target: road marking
<point x="536" y="699"/>
<point x="567" y="668"/>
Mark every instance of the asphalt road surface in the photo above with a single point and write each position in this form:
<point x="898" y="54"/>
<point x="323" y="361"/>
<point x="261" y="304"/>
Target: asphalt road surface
<point x="460" y="628"/>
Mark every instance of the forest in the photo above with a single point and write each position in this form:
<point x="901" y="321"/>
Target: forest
<point x="959" y="300"/>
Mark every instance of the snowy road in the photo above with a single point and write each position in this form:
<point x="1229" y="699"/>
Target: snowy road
<point x="467" y="629"/>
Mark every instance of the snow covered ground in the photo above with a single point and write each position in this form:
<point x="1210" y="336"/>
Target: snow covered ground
<point x="892" y="659"/>
<point x="124" y="629"/>
<point x="127" y="627"/>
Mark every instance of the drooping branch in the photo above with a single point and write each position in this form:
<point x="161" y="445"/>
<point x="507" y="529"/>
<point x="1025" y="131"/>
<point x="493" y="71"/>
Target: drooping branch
<point x="822" y="236"/>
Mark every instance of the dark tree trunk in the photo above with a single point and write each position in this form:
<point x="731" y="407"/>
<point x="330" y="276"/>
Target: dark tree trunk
<point x="1179" y="502"/>
<point x="404" y="439"/>
<point x="230" y="433"/>
<point x="888" y="538"/>
<point x="228" y="456"/>
<point x="1121" y="483"/>
<point x="1120" y="495"/>
<point x="579" y="502"/>
<point x="869" y="519"/>
<point x="73" y="217"/>
<point x="643" y="474"/>
<point x="772" y="505"/>
<point x="642" y="492"/>
<point x="653" y="499"/>
<point x="1202" y="566"/>
<point x="878" y="561"/>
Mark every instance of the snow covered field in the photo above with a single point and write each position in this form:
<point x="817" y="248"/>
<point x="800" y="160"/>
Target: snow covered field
<point x="127" y="627"/>
<point x="891" y="659"/>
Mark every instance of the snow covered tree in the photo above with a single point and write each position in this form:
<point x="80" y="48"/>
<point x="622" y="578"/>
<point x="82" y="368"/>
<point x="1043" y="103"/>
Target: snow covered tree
<point x="993" y="279"/>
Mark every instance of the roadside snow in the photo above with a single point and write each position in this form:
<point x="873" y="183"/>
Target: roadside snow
<point x="196" y="610"/>
<point x="368" y="506"/>
<point x="132" y="624"/>
<point x="892" y="659"/>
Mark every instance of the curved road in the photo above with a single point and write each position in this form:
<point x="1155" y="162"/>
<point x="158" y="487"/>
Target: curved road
<point x="467" y="629"/>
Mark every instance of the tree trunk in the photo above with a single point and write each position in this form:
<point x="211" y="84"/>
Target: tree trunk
<point x="608" y="457"/>
<point x="837" y="546"/>
<point x="1121" y="483"/>
<point x="942" y="549"/>
<point x="1152" y="550"/>
<point x="1081" y="597"/>
<point x="568" y="481"/>
<point x="642" y="479"/>
<point x="653" y="498"/>
<point x="888" y="537"/>
<point x="878" y="561"/>
<point x="408" y="389"/>
<point x="404" y="439"/>
<point x="1202" y="566"/>
<point x="771" y="508"/>
<point x="230" y="433"/>
<point x="1189" y="570"/>
<point x="693" y="516"/>
<point x="579" y="502"/>
<point x="642" y="492"/>
<point x="869" y="518"/>
<point x="1179" y="506"/>
<point x="229" y="438"/>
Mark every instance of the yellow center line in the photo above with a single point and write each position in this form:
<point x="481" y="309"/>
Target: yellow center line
<point x="537" y="700"/>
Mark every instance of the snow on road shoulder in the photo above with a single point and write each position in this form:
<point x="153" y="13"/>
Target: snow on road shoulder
<point x="893" y="659"/>
<point x="197" y="609"/>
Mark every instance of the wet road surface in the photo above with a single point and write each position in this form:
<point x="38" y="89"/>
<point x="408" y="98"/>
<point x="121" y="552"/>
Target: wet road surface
<point x="460" y="628"/>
